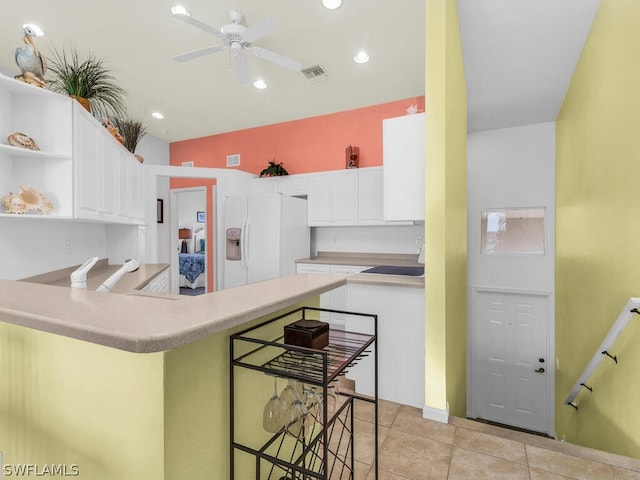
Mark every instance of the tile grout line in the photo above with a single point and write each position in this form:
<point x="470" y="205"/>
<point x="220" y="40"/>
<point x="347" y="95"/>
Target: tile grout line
<point x="451" y="451"/>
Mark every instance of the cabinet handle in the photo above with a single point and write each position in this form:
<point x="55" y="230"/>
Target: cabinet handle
<point x="539" y="370"/>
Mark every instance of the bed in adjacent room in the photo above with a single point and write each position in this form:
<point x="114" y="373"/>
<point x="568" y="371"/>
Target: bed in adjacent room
<point x="192" y="265"/>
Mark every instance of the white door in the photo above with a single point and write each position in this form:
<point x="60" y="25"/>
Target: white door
<point x="262" y="237"/>
<point x="510" y="358"/>
<point x="510" y="248"/>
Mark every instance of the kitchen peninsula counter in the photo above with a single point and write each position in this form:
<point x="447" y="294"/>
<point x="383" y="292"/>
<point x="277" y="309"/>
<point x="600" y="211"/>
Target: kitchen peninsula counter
<point x="143" y="322"/>
<point x="89" y="378"/>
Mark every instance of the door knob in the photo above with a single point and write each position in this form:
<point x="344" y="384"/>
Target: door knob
<point x="539" y="370"/>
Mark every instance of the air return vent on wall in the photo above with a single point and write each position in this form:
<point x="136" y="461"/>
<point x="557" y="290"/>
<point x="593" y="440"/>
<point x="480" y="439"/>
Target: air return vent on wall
<point x="233" y="160"/>
<point x="314" y="73"/>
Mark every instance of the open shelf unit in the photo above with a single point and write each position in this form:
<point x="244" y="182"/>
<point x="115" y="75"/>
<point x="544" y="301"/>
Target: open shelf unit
<point x="46" y="118"/>
<point x="324" y="448"/>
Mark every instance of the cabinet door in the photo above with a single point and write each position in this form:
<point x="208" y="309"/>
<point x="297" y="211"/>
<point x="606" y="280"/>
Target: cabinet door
<point x="370" y="197"/>
<point x="135" y="193"/>
<point x="294" y="184"/>
<point x="86" y="148"/>
<point x="320" y="199"/>
<point x="403" y="158"/>
<point x="268" y="185"/>
<point x="400" y="341"/>
<point x="345" y="197"/>
<point x="108" y="181"/>
<point x="124" y="185"/>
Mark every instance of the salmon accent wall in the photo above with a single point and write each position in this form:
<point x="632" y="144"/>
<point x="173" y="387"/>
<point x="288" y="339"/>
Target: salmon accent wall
<point x="309" y="145"/>
<point x="210" y="239"/>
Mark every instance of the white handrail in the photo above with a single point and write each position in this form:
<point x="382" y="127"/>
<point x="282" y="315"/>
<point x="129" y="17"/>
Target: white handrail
<point x="630" y="309"/>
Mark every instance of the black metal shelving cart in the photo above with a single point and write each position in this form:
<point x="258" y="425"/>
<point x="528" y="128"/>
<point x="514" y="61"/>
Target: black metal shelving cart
<point x="317" y="442"/>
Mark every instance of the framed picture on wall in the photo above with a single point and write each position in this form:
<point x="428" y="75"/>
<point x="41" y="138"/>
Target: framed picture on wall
<point x="160" y="213"/>
<point x="200" y="217"/>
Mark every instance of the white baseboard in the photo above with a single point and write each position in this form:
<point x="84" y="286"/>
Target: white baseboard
<point x="436" y="414"/>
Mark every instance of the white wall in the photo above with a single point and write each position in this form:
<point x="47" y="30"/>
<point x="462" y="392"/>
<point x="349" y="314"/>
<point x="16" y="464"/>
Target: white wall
<point x="156" y="152"/>
<point x="370" y="239"/>
<point x="31" y="246"/>
<point x="511" y="167"/>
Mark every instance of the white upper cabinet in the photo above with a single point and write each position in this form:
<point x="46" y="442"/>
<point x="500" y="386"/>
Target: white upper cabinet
<point x="370" y="196"/>
<point x="403" y="159"/>
<point x="108" y="177"/>
<point x="80" y="167"/>
<point x="333" y="198"/>
<point x="46" y="118"/>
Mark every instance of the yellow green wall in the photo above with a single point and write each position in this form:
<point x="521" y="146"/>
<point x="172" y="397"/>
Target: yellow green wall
<point x="598" y="232"/>
<point x="445" y="210"/>
<point x="64" y="401"/>
<point x="196" y="405"/>
<point x="121" y="415"/>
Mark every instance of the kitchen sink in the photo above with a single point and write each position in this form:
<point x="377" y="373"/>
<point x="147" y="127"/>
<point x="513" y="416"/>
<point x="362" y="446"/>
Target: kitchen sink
<point x="395" y="270"/>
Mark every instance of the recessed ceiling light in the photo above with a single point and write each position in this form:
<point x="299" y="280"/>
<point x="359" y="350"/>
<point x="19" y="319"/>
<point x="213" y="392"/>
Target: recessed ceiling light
<point x="332" y="4"/>
<point x="157" y="115"/>
<point x="36" y="29"/>
<point x="260" y="84"/>
<point x="180" y="10"/>
<point x="361" y="57"/>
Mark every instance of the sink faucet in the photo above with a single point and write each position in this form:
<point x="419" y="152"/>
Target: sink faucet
<point x="128" y="266"/>
<point x="79" y="276"/>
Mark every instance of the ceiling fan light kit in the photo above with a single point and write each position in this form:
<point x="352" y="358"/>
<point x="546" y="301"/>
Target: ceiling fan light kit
<point x="237" y="38"/>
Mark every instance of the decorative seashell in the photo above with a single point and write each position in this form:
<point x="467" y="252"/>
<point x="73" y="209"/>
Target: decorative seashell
<point x="12" y="203"/>
<point x="21" y="140"/>
<point x="28" y="199"/>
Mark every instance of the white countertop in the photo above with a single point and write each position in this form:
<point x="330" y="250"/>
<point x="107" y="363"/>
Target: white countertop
<point x="143" y="322"/>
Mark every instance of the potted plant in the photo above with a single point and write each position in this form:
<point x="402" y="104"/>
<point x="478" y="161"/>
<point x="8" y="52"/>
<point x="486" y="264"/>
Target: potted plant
<point x="132" y="131"/>
<point x="87" y="79"/>
<point x="274" y="170"/>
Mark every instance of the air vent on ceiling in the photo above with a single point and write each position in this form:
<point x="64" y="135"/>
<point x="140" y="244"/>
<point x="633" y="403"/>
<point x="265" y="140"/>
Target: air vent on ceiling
<point x="314" y="73"/>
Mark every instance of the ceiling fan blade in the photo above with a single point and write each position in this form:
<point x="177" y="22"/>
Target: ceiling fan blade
<point x="185" y="57"/>
<point x="241" y="67"/>
<point x="261" y="28"/>
<point x="276" y="58"/>
<point x="198" y="24"/>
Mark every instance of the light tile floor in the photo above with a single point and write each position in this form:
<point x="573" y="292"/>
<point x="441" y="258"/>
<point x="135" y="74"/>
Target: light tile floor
<point x="413" y="448"/>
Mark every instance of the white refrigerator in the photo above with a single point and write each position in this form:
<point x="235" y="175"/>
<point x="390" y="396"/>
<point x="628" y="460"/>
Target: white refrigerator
<point x="264" y="236"/>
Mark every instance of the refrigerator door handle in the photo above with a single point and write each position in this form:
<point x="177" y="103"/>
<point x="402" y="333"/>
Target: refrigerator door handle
<point x="247" y="239"/>
<point x="243" y="228"/>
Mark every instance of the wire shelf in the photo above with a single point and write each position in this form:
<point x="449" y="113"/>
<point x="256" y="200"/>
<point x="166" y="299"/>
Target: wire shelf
<point x="324" y="448"/>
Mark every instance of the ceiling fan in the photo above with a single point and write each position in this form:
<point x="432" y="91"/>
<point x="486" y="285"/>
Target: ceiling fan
<point x="237" y="38"/>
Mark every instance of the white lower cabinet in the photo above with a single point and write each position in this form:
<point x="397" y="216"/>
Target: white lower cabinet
<point x="335" y="299"/>
<point x="400" y="341"/>
<point x="159" y="284"/>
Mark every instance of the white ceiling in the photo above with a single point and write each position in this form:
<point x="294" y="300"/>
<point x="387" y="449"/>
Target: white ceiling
<point x="519" y="56"/>
<point x="138" y="39"/>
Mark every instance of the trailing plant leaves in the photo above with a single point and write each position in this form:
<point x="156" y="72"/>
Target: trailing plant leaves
<point x="131" y="130"/>
<point x="88" y="78"/>
<point x="274" y="170"/>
